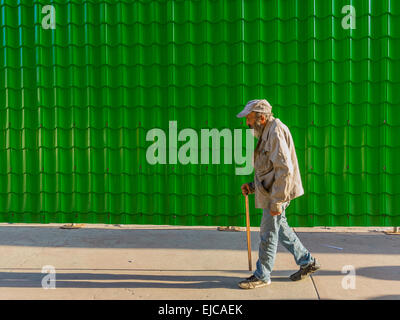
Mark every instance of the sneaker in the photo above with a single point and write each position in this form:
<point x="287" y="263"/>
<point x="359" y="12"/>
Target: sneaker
<point x="253" y="282"/>
<point x="305" y="271"/>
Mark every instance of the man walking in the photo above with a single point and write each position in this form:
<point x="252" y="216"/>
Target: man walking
<point x="277" y="181"/>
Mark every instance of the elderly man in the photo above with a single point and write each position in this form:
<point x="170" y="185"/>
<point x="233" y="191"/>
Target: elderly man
<point x="277" y="181"/>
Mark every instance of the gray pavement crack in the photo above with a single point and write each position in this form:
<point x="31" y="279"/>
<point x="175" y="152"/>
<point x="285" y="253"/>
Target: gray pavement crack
<point x="312" y="279"/>
<point x="315" y="287"/>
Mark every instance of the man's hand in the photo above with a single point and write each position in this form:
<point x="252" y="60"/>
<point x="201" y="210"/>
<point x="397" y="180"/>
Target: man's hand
<point x="245" y="189"/>
<point x="275" y="213"/>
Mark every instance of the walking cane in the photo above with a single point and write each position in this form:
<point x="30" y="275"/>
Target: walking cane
<point x="248" y="231"/>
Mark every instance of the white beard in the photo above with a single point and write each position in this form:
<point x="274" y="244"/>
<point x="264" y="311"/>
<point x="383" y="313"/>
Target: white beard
<point x="257" y="130"/>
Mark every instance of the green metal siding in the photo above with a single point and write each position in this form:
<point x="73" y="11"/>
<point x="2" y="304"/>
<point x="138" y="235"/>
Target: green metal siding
<point x="77" y="101"/>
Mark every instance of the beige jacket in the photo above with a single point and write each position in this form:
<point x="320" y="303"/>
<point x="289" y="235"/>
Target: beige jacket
<point x="276" y="171"/>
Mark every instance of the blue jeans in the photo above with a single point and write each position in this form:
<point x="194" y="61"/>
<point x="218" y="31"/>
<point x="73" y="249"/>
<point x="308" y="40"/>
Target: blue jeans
<point x="272" y="229"/>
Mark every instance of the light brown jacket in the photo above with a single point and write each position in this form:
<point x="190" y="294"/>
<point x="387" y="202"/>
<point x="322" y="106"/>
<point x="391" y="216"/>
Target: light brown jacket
<point x="276" y="171"/>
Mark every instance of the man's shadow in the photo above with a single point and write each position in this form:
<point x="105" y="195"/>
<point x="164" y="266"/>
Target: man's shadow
<point x="112" y="280"/>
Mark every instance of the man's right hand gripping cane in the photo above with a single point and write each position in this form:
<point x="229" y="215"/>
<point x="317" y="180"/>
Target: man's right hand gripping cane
<point x="246" y="189"/>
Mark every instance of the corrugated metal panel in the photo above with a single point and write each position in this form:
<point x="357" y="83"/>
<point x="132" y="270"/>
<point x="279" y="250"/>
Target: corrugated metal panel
<point x="77" y="101"/>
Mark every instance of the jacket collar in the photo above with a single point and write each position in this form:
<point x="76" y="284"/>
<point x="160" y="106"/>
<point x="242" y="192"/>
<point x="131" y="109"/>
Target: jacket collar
<point x="263" y="137"/>
<point x="264" y="133"/>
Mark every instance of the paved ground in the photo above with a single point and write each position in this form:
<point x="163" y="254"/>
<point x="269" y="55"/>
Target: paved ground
<point x="167" y="262"/>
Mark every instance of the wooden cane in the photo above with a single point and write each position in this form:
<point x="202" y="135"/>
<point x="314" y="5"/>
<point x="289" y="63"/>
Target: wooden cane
<point x="248" y="232"/>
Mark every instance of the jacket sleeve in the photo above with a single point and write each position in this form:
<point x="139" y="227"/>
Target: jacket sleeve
<point x="283" y="167"/>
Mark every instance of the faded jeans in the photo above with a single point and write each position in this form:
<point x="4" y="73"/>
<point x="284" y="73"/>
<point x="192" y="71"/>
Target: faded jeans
<point x="272" y="229"/>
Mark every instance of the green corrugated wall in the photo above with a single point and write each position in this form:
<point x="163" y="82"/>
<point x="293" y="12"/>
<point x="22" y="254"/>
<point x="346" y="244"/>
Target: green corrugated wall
<point x="77" y="101"/>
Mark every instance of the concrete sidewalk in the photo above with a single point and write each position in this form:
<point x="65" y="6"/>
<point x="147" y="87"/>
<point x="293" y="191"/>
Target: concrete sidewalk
<point x="185" y="263"/>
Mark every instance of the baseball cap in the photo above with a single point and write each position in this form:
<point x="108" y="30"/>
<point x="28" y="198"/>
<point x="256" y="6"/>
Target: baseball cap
<point x="258" y="105"/>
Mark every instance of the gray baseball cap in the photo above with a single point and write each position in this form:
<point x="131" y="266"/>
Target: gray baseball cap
<point x="258" y="105"/>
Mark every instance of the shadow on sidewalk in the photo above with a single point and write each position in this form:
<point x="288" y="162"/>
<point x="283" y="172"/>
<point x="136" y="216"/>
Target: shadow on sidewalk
<point x="200" y="239"/>
<point x="112" y="280"/>
<point x="390" y="273"/>
<point x="95" y="280"/>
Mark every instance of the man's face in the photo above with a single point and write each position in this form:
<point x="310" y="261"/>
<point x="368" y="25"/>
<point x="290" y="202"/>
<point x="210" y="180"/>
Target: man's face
<point x="251" y="120"/>
<point x="256" y="125"/>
